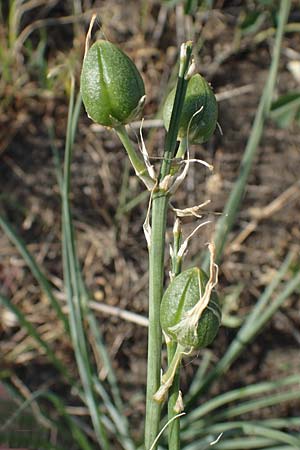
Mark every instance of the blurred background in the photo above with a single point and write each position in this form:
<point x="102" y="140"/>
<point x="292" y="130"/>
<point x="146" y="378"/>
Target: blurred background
<point x="41" y="43"/>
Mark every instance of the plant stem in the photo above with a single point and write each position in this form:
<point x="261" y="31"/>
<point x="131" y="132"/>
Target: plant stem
<point x="168" y="378"/>
<point x="156" y="256"/>
<point x="182" y="148"/>
<point x="174" y="427"/>
<point x="138" y="165"/>
<point x="156" y="278"/>
<point x="171" y="138"/>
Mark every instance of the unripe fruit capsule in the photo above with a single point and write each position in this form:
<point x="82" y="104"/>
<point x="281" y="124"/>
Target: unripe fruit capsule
<point x="112" y="88"/>
<point x="182" y="295"/>
<point x="199" y="114"/>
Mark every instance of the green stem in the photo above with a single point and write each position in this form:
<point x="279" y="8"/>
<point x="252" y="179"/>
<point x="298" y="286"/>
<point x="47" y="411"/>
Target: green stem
<point x="182" y="147"/>
<point x="174" y="427"/>
<point x="138" y="165"/>
<point x="168" y="378"/>
<point x="156" y="272"/>
<point x="171" y="138"/>
<point x="156" y="257"/>
<point x="35" y="270"/>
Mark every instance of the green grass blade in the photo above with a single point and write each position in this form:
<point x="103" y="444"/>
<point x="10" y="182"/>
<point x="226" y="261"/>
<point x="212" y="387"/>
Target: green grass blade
<point x="118" y="419"/>
<point x="232" y="444"/>
<point x="76" y="432"/>
<point x="252" y="429"/>
<point x="247" y="333"/>
<point x="102" y="352"/>
<point x="255" y="405"/>
<point x="212" y="424"/>
<point x="34" y="268"/>
<point x="231" y="209"/>
<point x="73" y="281"/>
<point x="252" y="326"/>
<point x="30" y="329"/>
<point x="115" y="410"/>
<point x="237" y="394"/>
<point x="289" y="288"/>
<point x="268" y="292"/>
<point x="284" y="422"/>
<point x="248" y="443"/>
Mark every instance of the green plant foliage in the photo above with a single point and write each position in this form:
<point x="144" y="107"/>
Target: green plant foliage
<point x="252" y="22"/>
<point x="286" y="109"/>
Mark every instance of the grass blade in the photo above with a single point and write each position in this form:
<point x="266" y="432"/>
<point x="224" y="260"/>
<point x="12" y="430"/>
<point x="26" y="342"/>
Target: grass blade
<point x="252" y="429"/>
<point x="237" y="394"/>
<point x="254" y="405"/>
<point x="118" y="416"/>
<point x="73" y="281"/>
<point x="233" y="444"/>
<point x="252" y="326"/>
<point x="34" y="268"/>
<point x="231" y="209"/>
<point x="35" y="335"/>
<point x="76" y="434"/>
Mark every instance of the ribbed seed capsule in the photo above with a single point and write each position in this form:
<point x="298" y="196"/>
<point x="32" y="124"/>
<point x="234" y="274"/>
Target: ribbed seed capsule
<point x="199" y="114"/>
<point x="178" y="304"/>
<point x="112" y="88"/>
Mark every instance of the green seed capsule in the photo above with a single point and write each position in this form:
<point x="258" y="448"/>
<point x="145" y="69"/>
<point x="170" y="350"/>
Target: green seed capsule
<point x="179" y="300"/>
<point x="112" y="88"/>
<point x="199" y="114"/>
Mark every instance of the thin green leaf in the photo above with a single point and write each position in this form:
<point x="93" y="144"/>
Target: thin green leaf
<point x="255" y="405"/>
<point x="285" y="109"/>
<point x="74" y="282"/>
<point x="231" y="209"/>
<point x="33" y="266"/>
<point x="251" y="327"/>
<point x="30" y="329"/>
<point x="237" y="394"/>
<point x="233" y="443"/>
<point x="121" y="424"/>
<point x="251" y="429"/>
